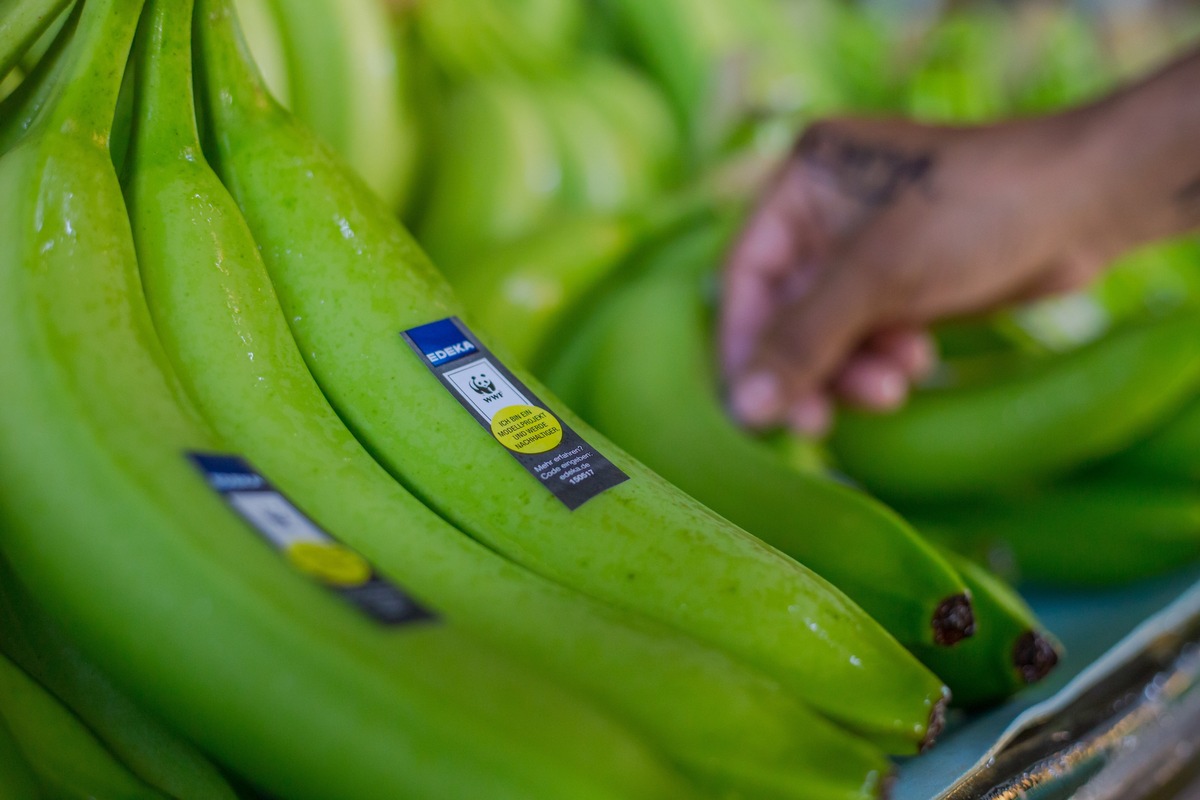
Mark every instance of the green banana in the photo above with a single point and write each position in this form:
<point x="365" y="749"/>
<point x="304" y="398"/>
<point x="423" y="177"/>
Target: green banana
<point x="10" y="82"/>
<point x="65" y="758"/>
<point x="345" y="82"/>
<point x="261" y="28"/>
<point x="641" y="546"/>
<point x="44" y="41"/>
<point x="21" y="23"/>
<point x="34" y="642"/>
<point x="601" y="171"/>
<point x="656" y="359"/>
<point x="1010" y="649"/>
<point x="20" y="109"/>
<point x="961" y="77"/>
<point x="17" y="781"/>
<point x="221" y="325"/>
<point x="1087" y="533"/>
<point x="496" y="174"/>
<point x="1169" y="453"/>
<point x="165" y="587"/>
<point x="664" y="37"/>
<point x="470" y="39"/>
<point x="1064" y="411"/>
<point x="525" y="291"/>
<point x="638" y="111"/>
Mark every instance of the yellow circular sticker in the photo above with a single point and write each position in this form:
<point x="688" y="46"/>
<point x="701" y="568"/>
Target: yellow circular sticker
<point x="329" y="562"/>
<point x="527" y="429"/>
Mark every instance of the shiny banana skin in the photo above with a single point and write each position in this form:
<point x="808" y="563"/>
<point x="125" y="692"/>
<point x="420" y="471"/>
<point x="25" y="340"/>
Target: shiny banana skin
<point x="156" y="755"/>
<point x="65" y="759"/>
<point x="350" y="279"/>
<point x="20" y="26"/>
<point x="657" y="357"/>
<point x="222" y="327"/>
<point x="165" y="588"/>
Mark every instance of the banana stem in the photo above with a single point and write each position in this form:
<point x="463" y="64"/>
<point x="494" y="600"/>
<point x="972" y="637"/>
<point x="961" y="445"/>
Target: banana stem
<point x="164" y="111"/>
<point x="230" y="81"/>
<point x="86" y="96"/>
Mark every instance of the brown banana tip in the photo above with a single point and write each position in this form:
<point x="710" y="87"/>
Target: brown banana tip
<point x="1034" y="656"/>
<point x="953" y="620"/>
<point x="937" y="721"/>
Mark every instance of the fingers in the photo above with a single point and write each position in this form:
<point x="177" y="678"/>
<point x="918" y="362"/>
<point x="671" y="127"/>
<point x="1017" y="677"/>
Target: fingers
<point x="758" y="262"/>
<point x="880" y="374"/>
<point x="872" y="381"/>
<point x="912" y="349"/>
<point x="802" y="349"/>
<point x="876" y="374"/>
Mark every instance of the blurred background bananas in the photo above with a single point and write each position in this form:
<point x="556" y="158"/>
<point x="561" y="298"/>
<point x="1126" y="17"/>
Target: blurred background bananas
<point x="206" y="211"/>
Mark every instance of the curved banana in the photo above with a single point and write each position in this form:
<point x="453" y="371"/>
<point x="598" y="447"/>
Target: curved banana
<point x="666" y="37"/>
<point x="1062" y="412"/>
<point x="351" y="280"/>
<point x="600" y="170"/>
<point x="261" y="28"/>
<point x="1170" y="453"/>
<point x="64" y="757"/>
<point x="221" y="325"/>
<point x="524" y="291"/>
<point x="22" y="22"/>
<point x="1097" y="532"/>
<point x="20" y="109"/>
<point x="345" y="81"/>
<point x="656" y="358"/>
<point x="34" y="642"/>
<point x="171" y="592"/>
<point x="470" y="39"/>
<point x="496" y="173"/>
<point x="640" y="113"/>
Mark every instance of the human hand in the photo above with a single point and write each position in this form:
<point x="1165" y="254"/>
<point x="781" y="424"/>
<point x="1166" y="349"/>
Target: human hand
<point x="872" y="230"/>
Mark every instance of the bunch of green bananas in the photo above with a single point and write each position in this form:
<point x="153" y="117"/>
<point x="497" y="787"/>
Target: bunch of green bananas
<point x="639" y="368"/>
<point x="242" y="518"/>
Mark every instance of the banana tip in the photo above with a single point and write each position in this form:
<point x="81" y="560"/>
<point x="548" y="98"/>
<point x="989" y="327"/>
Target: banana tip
<point x="886" y="785"/>
<point x="1034" y="656"/>
<point x="937" y="721"/>
<point x="953" y="620"/>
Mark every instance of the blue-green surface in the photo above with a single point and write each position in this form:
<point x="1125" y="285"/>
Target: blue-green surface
<point x="1089" y="624"/>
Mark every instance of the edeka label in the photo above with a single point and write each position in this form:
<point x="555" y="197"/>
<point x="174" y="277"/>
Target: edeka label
<point x="548" y="448"/>
<point x="306" y="547"/>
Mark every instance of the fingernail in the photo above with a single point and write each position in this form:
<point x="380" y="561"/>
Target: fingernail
<point x="811" y="416"/>
<point x="755" y="399"/>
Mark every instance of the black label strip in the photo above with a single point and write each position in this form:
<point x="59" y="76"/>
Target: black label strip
<point x="548" y="448"/>
<point x="306" y="546"/>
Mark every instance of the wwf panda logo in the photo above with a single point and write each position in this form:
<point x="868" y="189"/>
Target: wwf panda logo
<point x="482" y="384"/>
